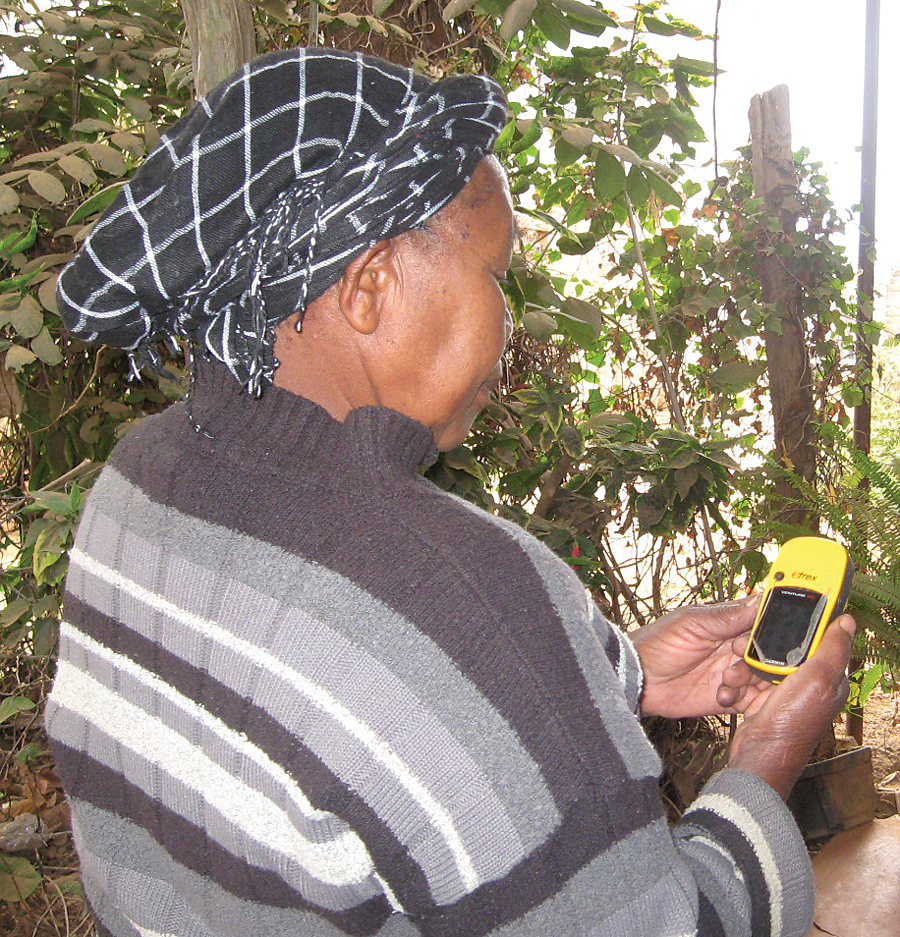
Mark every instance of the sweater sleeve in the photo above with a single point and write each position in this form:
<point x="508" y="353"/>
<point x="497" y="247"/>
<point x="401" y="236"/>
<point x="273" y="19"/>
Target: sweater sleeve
<point x="623" y="656"/>
<point x="748" y="858"/>
<point x="739" y="841"/>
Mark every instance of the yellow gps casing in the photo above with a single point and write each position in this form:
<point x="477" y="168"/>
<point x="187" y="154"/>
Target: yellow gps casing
<point x="807" y="587"/>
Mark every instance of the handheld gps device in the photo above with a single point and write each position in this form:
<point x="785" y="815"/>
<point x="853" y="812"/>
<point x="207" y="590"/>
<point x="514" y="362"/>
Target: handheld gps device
<point x="807" y="587"/>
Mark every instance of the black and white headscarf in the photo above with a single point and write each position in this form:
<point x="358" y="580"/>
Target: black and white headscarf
<point x="257" y="199"/>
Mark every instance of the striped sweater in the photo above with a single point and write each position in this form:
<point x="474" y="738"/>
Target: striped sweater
<point x="302" y="692"/>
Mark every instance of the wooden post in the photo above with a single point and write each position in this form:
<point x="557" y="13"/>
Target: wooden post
<point x="790" y="375"/>
<point x="222" y="39"/>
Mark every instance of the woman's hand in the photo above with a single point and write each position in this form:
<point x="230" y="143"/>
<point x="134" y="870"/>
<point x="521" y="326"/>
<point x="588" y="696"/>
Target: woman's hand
<point x="693" y="666"/>
<point x="693" y="661"/>
<point x="781" y="728"/>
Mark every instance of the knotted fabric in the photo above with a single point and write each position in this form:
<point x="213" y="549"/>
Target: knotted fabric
<point x="257" y="199"/>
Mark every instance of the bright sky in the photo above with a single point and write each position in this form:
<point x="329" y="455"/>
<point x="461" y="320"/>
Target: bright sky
<point x="816" y="47"/>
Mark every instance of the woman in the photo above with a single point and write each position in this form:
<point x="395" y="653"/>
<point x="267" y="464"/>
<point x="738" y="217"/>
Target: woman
<point x="301" y="690"/>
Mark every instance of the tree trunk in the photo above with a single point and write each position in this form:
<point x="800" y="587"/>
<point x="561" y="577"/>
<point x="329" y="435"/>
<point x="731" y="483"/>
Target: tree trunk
<point x="222" y="39"/>
<point x="790" y="375"/>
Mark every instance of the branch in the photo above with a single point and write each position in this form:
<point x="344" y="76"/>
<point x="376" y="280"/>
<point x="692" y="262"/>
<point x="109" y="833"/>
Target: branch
<point x="551" y="486"/>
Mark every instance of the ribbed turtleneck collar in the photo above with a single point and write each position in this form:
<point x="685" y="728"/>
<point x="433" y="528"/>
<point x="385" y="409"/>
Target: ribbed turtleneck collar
<point x="282" y="428"/>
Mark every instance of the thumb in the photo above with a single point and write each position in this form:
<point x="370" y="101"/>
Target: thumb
<point x="837" y="643"/>
<point x="827" y="667"/>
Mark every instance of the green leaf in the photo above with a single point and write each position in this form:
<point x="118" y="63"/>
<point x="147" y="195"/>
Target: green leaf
<point x="516" y="18"/>
<point x="129" y="142"/>
<point x="56" y="24"/>
<point x="47" y="294"/>
<point x="530" y="134"/>
<point x="865" y="682"/>
<point x="623" y="153"/>
<point x="18" y="357"/>
<point x="46" y="631"/>
<point x="540" y="325"/>
<point x="609" y="176"/>
<point x="578" y="136"/>
<point x="13" y="612"/>
<point x="585" y="312"/>
<point x="637" y="185"/>
<point x="54" y="501"/>
<point x="852" y="395"/>
<point x="456" y="8"/>
<point x="92" y="125"/>
<point x="107" y="158"/>
<point x="552" y="23"/>
<point x="684" y="457"/>
<point x="572" y="441"/>
<point x="506" y="135"/>
<point x="734" y="376"/>
<point x="13" y="705"/>
<point x="694" y="66"/>
<point x="663" y="189"/>
<point x="48" y="548"/>
<point x="95" y="203"/>
<point x="659" y="27"/>
<point x="47" y="186"/>
<point x="17" y="284"/>
<point x="28" y="752"/>
<point x="566" y="154"/>
<point x="138" y="107"/>
<point x="18" y="878"/>
<point x="585" y="12"/>
<point x="685" y="479"/>
<point x="463" y="459"/>
<point x="9" y="199"/>
<point x="52" y="47"/>
<point x="27" y="320"/>
<point x="682" y="126"/>
<point x="78" y="168"/>
<point x="46" y="349"/>
<point x="721" y="458"/>
<point x="573" y="243"/>
<point x="19" y="241"/>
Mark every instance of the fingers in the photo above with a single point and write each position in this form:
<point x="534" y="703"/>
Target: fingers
<point x="728" y="697"/>
<point x="736" y="617"/>
<point x="827" y="673"/>
<point x="727" y="620"/>
<point x="739" y="686"/>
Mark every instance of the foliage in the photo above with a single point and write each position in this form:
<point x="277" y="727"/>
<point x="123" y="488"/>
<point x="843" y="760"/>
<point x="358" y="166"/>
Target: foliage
<point x="861" y="502"/>
<point x="39" y="889"/>
<point x="886" y="405"/>
<point x="97" y="84"/>
<point x="635" y="390"/>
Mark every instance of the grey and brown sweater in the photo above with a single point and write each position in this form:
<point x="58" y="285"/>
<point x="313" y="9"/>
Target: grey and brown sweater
<point x="303" y="692"/>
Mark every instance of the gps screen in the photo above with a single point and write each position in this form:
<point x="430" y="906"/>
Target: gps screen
<point x="786" y="625"/>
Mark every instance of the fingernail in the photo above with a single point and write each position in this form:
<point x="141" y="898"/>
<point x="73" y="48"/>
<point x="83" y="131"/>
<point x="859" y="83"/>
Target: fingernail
<point x="848" y="624"/>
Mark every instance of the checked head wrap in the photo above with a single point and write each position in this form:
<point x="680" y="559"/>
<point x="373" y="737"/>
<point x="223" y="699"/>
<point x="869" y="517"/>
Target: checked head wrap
<point x="257" y="199"/>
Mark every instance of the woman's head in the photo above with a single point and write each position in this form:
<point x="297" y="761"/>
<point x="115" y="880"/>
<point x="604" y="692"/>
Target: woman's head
<point x="257" y="200"/>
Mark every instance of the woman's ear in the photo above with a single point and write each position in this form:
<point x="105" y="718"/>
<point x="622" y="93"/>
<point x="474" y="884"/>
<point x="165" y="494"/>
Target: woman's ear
<point x="369" y="282"/>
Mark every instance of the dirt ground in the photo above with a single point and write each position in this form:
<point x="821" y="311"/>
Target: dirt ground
<point x="881" y="730"/>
